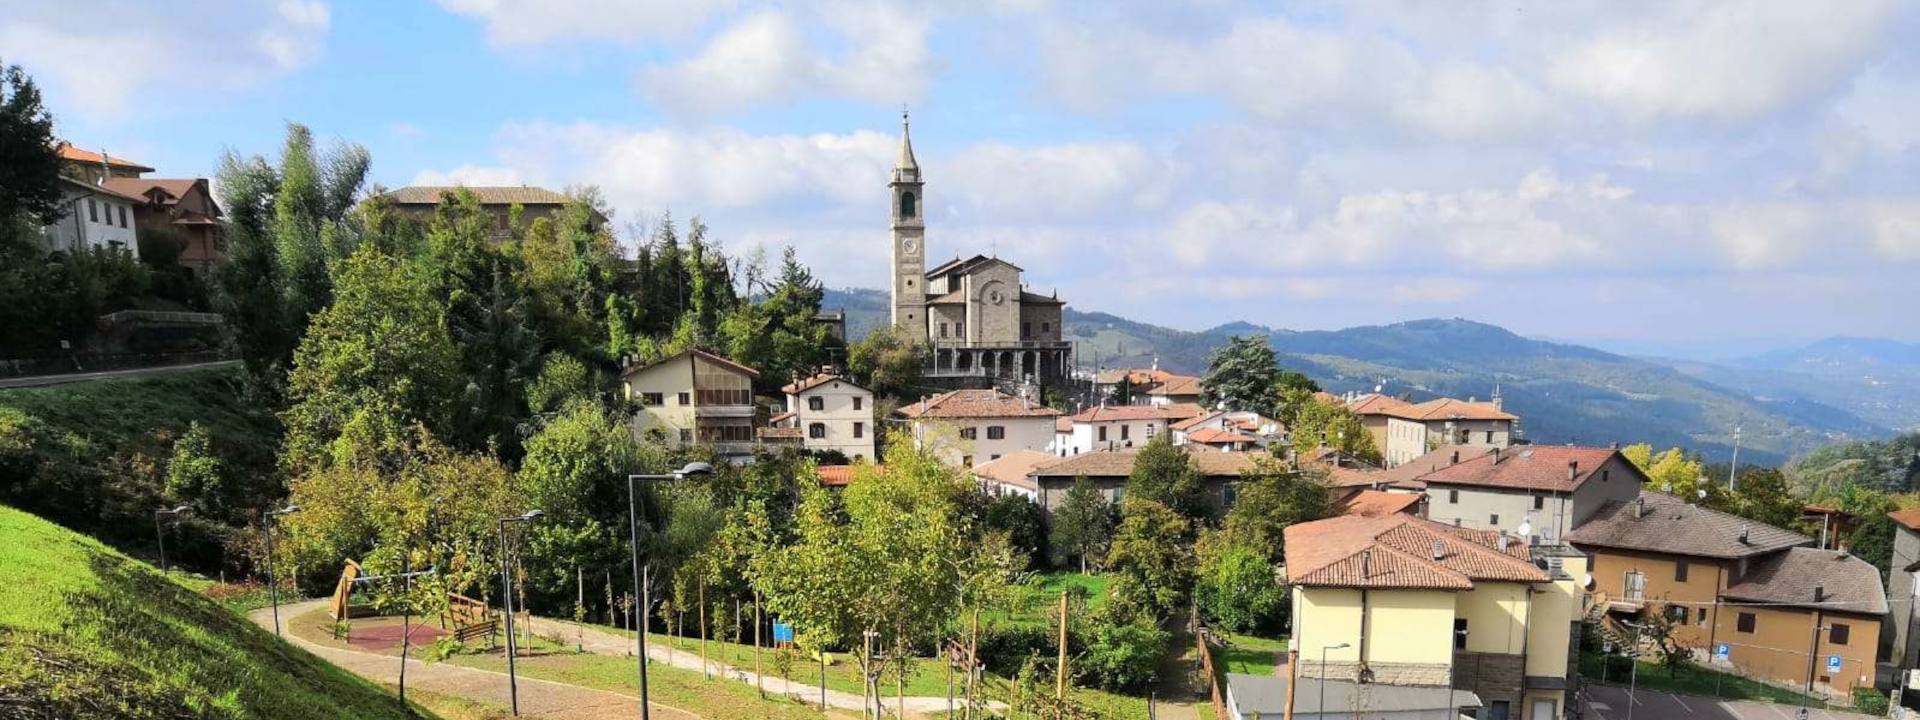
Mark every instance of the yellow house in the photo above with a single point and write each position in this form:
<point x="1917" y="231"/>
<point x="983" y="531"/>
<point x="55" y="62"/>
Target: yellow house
<point x="1403" y="601"/>
<point x="694" y="398"/>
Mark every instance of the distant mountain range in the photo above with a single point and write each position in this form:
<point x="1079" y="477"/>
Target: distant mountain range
<point x="1786" y="402"/>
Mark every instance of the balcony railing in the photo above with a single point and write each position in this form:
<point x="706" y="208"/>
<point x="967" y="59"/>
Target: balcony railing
<point x="1018" y="345"/>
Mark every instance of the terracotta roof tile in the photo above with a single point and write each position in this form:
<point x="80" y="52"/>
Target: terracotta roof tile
<point x="1374" y="404"/>
<point x="1176" y="385"/>
<point x="779" y="433"/>
<point x="1375" y="503"/>
<point x="1213" y="436"/>
<point x="70" y="153"/>
<point x="974" y="404"/>
<point x="1846" y="582"/>
<point x="1013" y="468"/>
<point x="841" y="475"/>
<point x="1447" y="409"/>
<point x="1528" y="467"/>
<point x="1909" y="518"/>
<point x="1119" y="463"/>
<point x="1401" y="551"/>
<point x="1197" y="419"/>
<point x="1670" y="525"/>
<point x="1105" y="413"/>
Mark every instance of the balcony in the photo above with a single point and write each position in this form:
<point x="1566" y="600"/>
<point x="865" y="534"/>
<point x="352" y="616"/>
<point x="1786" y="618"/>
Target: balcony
<point x="723" y="411"/>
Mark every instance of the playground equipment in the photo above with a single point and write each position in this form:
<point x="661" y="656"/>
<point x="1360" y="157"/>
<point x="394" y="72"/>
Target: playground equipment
<point x="342" y="609"/>
<point x="467" y="618"/>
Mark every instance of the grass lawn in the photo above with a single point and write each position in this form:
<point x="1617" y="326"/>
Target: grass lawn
<point x="96" y="634"/>
<point x="1252" y="655"/>
<point x="1039" y="601"/>
<point x="928" y="676"/>
<point x="1695" y="680"/>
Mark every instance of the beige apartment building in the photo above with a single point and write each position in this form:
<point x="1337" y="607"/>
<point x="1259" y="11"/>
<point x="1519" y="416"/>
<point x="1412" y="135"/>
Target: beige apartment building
<point x="1404" y="431"/>
<point x="968" y="427"/>
<point x="831" y="413"/>
<point x="1550" y="488"/>
<point x="694" y="398"/>
<point x="1396" y="601"/>
<point x="1108" y="471"/>
<point x="1754" y="598"/>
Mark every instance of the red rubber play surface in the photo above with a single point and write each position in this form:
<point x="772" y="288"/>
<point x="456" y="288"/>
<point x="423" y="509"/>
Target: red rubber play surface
<point x="384" y="636"/>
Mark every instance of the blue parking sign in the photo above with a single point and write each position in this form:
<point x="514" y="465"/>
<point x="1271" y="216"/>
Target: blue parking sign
<point x="1721" y="651"/>
<point x="1833" y="663"/>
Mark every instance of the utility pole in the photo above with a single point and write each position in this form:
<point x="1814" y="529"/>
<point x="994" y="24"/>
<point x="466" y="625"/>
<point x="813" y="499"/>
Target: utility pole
<point x="759" y="678"/>
<point x="1060" y="672"/>
<point x="1733" y="466"/>
<point x="706" y="670"/>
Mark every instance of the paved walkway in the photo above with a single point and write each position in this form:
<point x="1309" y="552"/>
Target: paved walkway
<point x="104" y="374"/>
<point x="538" y="698"/>
<point x="1607" y="702"/>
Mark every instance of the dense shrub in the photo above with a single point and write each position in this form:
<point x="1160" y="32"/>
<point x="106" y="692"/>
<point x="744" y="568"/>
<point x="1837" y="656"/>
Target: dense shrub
<point x="1870" y="701"/>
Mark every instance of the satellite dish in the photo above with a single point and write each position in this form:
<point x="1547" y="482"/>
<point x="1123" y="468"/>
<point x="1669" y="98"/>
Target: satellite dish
<point x="1526" y="527"/>
<point x="1702" y="492"/>
<point x="1586" y="581"/>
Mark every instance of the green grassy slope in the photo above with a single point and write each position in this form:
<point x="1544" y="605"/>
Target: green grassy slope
<point x="86" y="632"/>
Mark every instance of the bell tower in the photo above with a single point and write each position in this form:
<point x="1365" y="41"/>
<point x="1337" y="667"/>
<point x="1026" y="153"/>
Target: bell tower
<point x="909" y="248"/>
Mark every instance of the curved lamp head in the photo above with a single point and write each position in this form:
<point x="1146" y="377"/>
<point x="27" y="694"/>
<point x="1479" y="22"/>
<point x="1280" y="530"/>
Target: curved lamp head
<point x="695" y="468"/>
<point x="533" y="515"/>
<point x="288" y="510"/>
<point x="173" y="511"/>
<point x="1341" y="646"/>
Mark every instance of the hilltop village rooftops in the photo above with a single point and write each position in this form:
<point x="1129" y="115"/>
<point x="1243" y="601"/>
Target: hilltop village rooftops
<point x="1657" y="522"/>
<point x="955" y="404"/>
<point x="1548" y="468"/>
<point x="1119" y="463"/>
<point x="1402" y="552"/>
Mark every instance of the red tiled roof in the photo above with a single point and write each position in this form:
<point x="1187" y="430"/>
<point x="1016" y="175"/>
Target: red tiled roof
<point x="782" y="417"/>
<point x="1196" y="420"/>
<point x="841" y="475"/>
<point x="1375" y="503"/>
<point x="176" y="188"/>
<point x="1119" y="463"/>
<point x="974" y="404"/>
<point x="1063" y="425"/>
<point x="1530" y="467"/>
<point x="101" y="189"/>
<point x="1213" y="436"/>
<point x="74" y="154"/>
<point x="1176" y="385"/>
<point x="795" y="388"/>
<point x="1013" y="468"/>
<point x="1909" y="518"/>
<point x="779" y="433"/>
<point x="1447" y="409"/>
<point x="1105" y="413"/>
<point x="1401" y="551"/>
<point x="1374" y="404"/>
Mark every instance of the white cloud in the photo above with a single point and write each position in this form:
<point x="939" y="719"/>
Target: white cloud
<point x="102" y="58"/>
<point x="767" y="57"/>
<point x="997" y="180"/>
<point x="470" y="176"/>
<point x="1883" y="105"/>
<point x="1896" y="230"/>
<point x="527" y="22"/>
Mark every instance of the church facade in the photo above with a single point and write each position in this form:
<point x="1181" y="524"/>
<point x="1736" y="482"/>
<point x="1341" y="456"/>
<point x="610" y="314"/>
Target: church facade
<point x="974" y="314"/>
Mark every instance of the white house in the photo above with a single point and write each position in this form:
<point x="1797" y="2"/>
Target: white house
<point x="832" y="413"/>
<point x="1012" y="474"/>
<point x="1229" y="429"/>
<point x="1117" y="427"/>
<point x="963" y="427"/>
<point x="694" y="398"/>
<point x="96" y="217"/>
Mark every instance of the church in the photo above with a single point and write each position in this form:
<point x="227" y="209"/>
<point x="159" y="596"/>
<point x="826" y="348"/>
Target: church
<point x="980" y="324"/>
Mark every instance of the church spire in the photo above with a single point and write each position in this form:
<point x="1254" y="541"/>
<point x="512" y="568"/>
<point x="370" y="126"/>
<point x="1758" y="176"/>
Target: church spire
<point x="906" y="168"/>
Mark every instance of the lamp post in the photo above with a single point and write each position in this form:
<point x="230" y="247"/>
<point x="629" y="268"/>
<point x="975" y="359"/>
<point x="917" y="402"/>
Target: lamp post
<point x="639" y="586"/>
<point x="161" y="535"/>
<point x="1320" y="708"/>
<point x="506" y="596"/>
<point x="273" y="583"/>
<point x="406" y="604"/>
<point x="1813" y="658"/>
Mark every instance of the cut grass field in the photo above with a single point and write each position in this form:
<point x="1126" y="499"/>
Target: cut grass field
<point x="86" y="632"/>
<point x="1252" y="655"/>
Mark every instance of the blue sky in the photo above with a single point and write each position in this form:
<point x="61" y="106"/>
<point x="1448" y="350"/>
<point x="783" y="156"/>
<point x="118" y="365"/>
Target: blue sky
<point x="1643" y="174"/>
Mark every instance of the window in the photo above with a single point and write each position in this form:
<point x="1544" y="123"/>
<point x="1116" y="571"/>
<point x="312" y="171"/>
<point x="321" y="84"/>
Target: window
<point x="1459" y="633"/>
<point x="1124" y="430"/>
<point x="817" y="431"/>
<point x="1744" y="623"/>
<point x="1838" y="635"/>
<point x="686" y="435"/>
<point x="1677" y="614"/>
<point x="943" y="329"/>
<point x="1103" y="433"/>
<point x="686" y="398"/>
<point x="1229" y="494"/>
<point x="996" y="432"/>
<point x="859" y="430"/>
<point x="993" y="458"/>
<point x="1606" y="475"/>
<point x="960" y="329"/>
<point x="1493" y="520"/>
<point x="1026" y="329"/>
<point x="123" y="216"/>
<point x="1635" y="585"/>
<point x="93" y="211"/>
<point x="858" y="402"/>
<point x="500" y="220"/>
<point x="1046" y="328"/>
<point x="1703" y="616"/>
<point x="647" y="398"/>
<point x="816" y="403"/>
<point x="1453" y="496"/>
<point x="966" y="461"/>
<point x="906" y="205"/>
<point x="969" y="433"/>
<point x="1539" y="502"/>
<point x="1680" y="571"/>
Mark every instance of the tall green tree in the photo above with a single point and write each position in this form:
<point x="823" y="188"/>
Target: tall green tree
<point x="888" y="362"/>
<point x="1319" y="423"/>
<point x="29" y="157"/>
<point x="1242" y="375"/>
<point x="1082" y="526"/>
<point x="1271" y="496"/>
<point x="487" y="317"/>
<point x="1166" y="474"/>
<point x="1151" y="552"/>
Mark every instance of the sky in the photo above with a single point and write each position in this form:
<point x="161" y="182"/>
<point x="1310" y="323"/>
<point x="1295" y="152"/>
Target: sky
<point x="1631" y="174"/>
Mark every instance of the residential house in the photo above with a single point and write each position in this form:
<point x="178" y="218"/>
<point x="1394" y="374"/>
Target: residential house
<point x="1755" y="598"/>
<point x="1108" y="471"/>
<point x="1550" y="488"/>
<point x="1109" y="427"/>
<point x="1375" y="503"/>
<point x="1229" y="429"/>
<point x="184" y="205"/>
<point x="1404" y="431"/>
<point x="694" y="398"/>
<point x="838" y="477"/>
<point x="1174" y="390"/>
<point x="832" y="413"/>
<point x="965" y="426"/>
<point x="1398" y="601"/>
<point x="1145" y="386"/>
<point x="96" y="217"/>
<point x="96" y="168"/>
<point x="1012" y="474"/>
<point x="1901" y="589"/>
<point x="419" y="201"/>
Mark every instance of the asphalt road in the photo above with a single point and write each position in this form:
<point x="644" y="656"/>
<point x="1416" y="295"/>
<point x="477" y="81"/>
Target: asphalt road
<point x="133" y="372"/>
<point x="1606" y="702"/>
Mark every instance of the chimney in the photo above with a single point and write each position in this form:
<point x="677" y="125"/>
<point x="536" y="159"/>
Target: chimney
<point x="1456" y="458"/>
<point x="1503" y="541"/>
<point x="1439" y="550"/>
<point x="1743" y="534"/>
<point x="1366" y="566"/>
<point x="1573" y="470"/>
<point x="106" y="167"/>
<point x="1496" y="455"/>
<point x="1640" y="509"/>
<point x="1615" y="445"/>
<point x="1819" y="593"/>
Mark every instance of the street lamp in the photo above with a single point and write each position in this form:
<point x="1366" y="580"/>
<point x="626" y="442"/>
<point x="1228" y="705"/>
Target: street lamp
<point x="506" y="596"/>
<point x="1813" y="658"/>
<point x="273" y="584"/>
<point x="162" y="536"/>
<point x="639" y="583"/>
<point x="1321" y="708"/>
